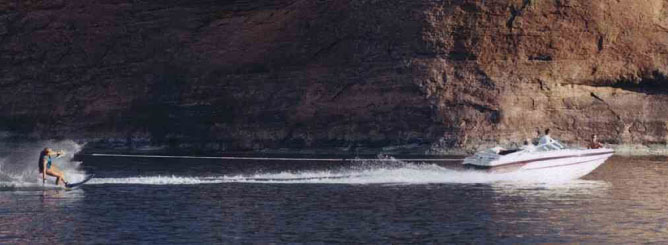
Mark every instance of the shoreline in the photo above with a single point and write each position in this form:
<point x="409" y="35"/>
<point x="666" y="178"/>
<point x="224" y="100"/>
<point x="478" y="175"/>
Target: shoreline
<point x="640" y="150"/>
<point x="346" y="153"/>
<point x="87" y="147"/>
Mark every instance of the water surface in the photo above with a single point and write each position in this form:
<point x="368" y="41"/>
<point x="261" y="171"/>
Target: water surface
<point x="224" y="201"/>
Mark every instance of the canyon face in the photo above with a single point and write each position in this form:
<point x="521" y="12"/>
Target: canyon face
<point x="252" y="75"/>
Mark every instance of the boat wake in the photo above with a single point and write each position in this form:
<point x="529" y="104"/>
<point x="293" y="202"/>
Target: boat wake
<point x="405" y="173"/>
<point x="156" y="180"/>
<point x="362" y="172"/>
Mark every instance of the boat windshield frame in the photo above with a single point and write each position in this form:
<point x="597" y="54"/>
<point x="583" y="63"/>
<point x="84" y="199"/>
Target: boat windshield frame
<point x="550" y="146"/>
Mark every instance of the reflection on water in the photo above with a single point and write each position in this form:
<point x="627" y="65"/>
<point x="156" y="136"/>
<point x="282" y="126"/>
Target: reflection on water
<point x="38" y="216"/>
<point x="553" y="190"/>
<point x="624" y="201"/>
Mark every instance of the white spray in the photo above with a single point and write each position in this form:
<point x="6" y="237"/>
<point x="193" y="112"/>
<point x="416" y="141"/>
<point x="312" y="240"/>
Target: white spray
<point x="392" y="171"/>
<point x="19" y="162"/>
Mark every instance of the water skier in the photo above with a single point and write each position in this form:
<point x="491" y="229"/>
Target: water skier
<point x="47" y="168"/>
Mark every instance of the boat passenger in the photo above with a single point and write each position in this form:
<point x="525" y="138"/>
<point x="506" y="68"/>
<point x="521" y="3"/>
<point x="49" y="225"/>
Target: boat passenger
<point x="548" y="143"/>
<point x="528" y="146"/>
<point x="594" y="142"/>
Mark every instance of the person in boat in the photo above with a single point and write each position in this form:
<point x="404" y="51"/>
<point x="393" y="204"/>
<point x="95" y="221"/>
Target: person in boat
<point x="594" y="142"/>
<point x="46" y="166"/>
<point x="528" y="145"/>
<point x="548" y="143"/>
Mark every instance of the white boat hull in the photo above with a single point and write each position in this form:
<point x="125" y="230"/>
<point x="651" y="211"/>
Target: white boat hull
<point x="552" y="166"/>
<point x="554" y="171"/>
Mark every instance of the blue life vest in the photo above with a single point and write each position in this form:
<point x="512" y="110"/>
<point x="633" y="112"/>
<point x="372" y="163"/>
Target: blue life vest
<point x="41" y="160"/>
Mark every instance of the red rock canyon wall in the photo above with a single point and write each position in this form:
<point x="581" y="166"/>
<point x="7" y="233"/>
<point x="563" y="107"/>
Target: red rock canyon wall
<point x="231" y="75"/>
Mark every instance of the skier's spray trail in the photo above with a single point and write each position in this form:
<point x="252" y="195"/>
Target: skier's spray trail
<point x="19" y="163"/>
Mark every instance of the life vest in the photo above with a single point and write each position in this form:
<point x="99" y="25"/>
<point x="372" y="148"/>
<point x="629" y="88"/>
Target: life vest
<point x="41" y="159"/>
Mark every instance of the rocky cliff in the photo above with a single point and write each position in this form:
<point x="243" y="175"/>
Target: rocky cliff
<point x="248" y="75"/>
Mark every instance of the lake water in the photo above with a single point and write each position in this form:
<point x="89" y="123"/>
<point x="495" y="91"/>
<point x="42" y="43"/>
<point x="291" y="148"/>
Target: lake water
<point x="138" y="200"/>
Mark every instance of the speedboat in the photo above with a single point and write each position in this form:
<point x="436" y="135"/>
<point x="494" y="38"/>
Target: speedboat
<point x="546" y="162"/>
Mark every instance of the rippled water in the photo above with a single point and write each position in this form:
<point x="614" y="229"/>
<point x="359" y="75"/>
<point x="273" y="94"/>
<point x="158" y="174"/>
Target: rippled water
<point x="232" y="201"/>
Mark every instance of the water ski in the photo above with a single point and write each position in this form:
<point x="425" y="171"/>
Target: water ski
<point x="77" y="184"/>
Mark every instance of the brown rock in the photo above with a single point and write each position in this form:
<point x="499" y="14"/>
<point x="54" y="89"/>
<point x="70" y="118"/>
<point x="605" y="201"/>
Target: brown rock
<point x="309" y="74"/>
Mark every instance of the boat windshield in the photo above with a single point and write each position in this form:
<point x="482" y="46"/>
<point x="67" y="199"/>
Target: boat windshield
<point x="550" y="146"/>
